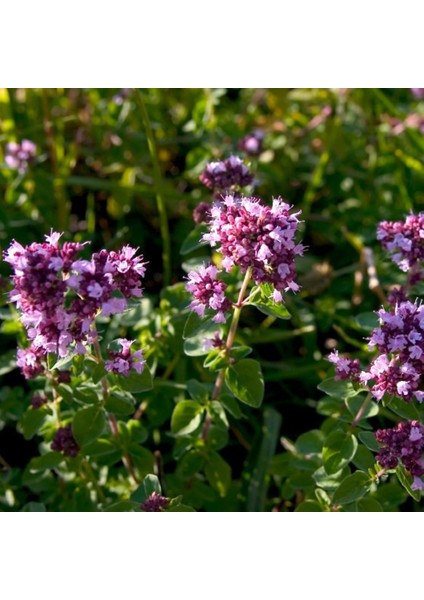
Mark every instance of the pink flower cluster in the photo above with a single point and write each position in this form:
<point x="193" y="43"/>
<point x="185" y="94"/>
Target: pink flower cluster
<point x="65" y="442"/>
<point x="400" y="341"/>
<point x="208" y="292"/>
<point x="225" y="175"/>
<point x="154" y="503"/>
<point x="404" y="240"/>
<point x="19" y="155"/>
<point x="398" y="369"/>
<point x="404" y="444"/>
<point x="122" y="361"/>
<point x="346" y="368"/>
<point x="60" y="295"/>
<point x="252" y="235"/>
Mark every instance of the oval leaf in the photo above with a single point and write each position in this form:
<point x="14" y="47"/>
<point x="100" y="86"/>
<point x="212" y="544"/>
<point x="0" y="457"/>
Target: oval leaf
<point x="88" y="424"/>
<point x="246" y="381"/>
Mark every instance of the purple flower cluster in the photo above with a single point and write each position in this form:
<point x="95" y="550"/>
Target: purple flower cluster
<point x="346" y="368"/>
<point x="252" y="143"/>
<point x="60" y="296"/>
<point x="404" y="240"/>
<point x="252" y="235"/>
<point x="122" y="361"/>
<point x="225" y="175"/>
<point x="208" y="292"/>
<point x="155" y="503"/>
<point x="403" y="444"/>
<point x="65" y="442"/>
<point x="400" y="341"/>
<point x="18" y="156"/>
<point x="418" y="93"/>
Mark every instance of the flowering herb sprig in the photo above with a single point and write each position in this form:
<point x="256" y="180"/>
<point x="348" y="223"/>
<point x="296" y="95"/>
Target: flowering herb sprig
<point x="396" y="372"/>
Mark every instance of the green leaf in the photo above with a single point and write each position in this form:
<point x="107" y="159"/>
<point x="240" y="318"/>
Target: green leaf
<point x="352" y="488"/>
<point x="186" y="417"/>
<point x="47" y="461"/>
<point x="32" y="421"/>
<point x="7" y="362"/>
<point x="340" y="389"/>
<point x="149" y="485"/>
<point x="180" y="508"/>
<point x="218" y="473"/>
<point x="354" y="404"/>
<point x="215" y="360"/>
<point x="89" y="423"/>
<point x="404" y="409"/>
<point x="367" y="321"/>
<point x="405" y="480"/>
<point x="363" y="458"/>
<point x="329" y="482"/>
<point x="123" y="506"/>
<point x="120" y="402"/>
<point x="256" y="488"/>
<point x="199" y="391"/>
<point x="369" y="505"/>
<point x="309" y="506"/>
<point x="368" y="438"/>
<point x="310" y="442"/>
<point x="339" y="449"/>
<point x="262" y="299"/>
<point x="134" y="382"/>
<point x="193" y="240"/>
<point x="34" y="507"/>
<point x="246" y="382"/>
<point x="231" y="405"/>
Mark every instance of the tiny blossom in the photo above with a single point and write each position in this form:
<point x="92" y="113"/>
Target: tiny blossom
<point x="215" y="342"/>
<point x="30" y="361"/>
<point x="208" y="292"/>
<point x="252" y="143"/>
<point x="18" y="156"/>
<point x="201" y="213"/>
<point x="226" y="174"/>
<point x="404" y="444"/>
<point x="122" y="361"/>
<point x="346" y="368"/>
<point x="252" y="235"/>
<point x="60" y="295"/>
<point x="404" y="240"/>
<point x="65" y="442"/>
<point x="155" y="503"/>
<point x="37" y="401"/>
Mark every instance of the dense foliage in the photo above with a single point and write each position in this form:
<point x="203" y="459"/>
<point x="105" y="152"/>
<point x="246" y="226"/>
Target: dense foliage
<point x="211" y="299"/>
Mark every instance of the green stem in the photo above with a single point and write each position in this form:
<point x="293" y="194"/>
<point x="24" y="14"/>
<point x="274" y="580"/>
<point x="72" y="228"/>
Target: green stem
<point x="361" y="411"/>
<point x="163" y="219"/>
<point x="89" y="474"/>
<point x="232" y="332"/>
<point x="126" y="459"/>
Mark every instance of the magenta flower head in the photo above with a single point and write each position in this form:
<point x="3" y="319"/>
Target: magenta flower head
<point x="60" y="295"/>
<point x="252" y="143"/>
<point x="346" y="368"/>
<point x="122" y="361"/>
<point x="251" y="235"/>
<point x="154" y="503"/>
<point x="208" y="292"/>
<point x="65" y="442"/>
<point x="418" y="93"/>
<point x="404" y="444"/>
<point x="226" y="175"/>
<point x="404" y="240"/>
<point x="400" y="340"/>
<point x="18" y="156"/>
